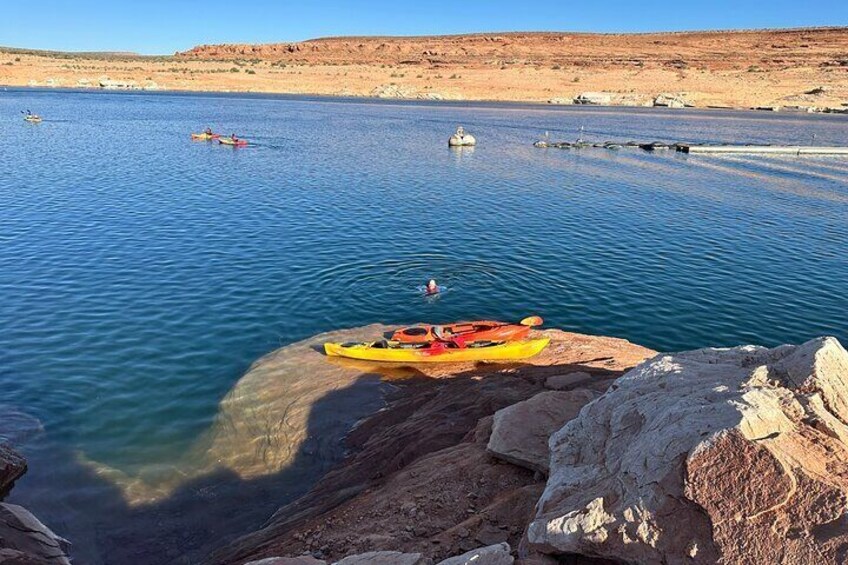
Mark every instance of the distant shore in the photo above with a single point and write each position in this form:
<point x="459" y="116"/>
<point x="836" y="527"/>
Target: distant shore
<point x="780" y="70"/>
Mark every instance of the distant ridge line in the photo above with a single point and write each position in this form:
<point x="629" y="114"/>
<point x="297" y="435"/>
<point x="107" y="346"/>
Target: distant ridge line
<point x="541" y="33"/>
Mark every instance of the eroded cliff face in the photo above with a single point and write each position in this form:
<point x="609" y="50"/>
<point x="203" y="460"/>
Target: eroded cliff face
<point x="717" y="50"/>
<point x="715" y="455"/>
<point x="741" y="69"/>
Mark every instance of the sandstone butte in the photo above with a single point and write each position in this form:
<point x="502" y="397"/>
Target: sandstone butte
<point x="742" y="69"/>
<point x="733" y="455"/>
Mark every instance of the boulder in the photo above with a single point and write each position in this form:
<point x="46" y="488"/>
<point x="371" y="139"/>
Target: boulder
<point x="301" y="560"/>
<point x="25" y="540"/>
<point x="490" y="555"/>
<point x="671" y="101"/>
<point x="561" y="101"/>
<point x="520" y="432"/>
<point x="386" y="558"/>
<point x="596" y="98"/>
<point x="12" y="466"/>
<point x="568" y="380"/>
<point x="733" y="455"/>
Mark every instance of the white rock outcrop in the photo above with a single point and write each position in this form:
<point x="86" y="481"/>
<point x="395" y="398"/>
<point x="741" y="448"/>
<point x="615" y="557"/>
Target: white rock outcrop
<point x="595" y="98"/>
<point x="715" y="455"/>
<point x="386" y="558"/>
<point x="667" y="100"/>
<point x="498" y="554"/>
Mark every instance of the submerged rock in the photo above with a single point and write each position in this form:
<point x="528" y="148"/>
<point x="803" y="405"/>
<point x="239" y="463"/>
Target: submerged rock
<point x="520" y="432"/>
<point x="293" y="406"/>
<point x="716" y="455"/>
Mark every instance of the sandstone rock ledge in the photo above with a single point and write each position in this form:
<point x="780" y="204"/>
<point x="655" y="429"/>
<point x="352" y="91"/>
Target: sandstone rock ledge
<point x="733" y="455"/>
<point x="711" y="456"/>
<point x="24" y="540"/>
<point x="420" y="479"/>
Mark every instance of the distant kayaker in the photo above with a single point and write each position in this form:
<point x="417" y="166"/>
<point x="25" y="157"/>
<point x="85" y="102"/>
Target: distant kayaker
<point x="432" y="287"/>
<point x="233" y="137"/>
<point x="208" y="131"/>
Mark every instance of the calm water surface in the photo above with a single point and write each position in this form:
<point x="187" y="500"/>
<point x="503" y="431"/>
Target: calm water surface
<point x="141" y="273"/>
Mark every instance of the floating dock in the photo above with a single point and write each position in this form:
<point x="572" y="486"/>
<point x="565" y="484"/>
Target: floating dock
<point x="764" y="149"/>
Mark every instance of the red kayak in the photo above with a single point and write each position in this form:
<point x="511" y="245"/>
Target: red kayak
<point x="233" y="142"/>
<point x="483" y="330"/>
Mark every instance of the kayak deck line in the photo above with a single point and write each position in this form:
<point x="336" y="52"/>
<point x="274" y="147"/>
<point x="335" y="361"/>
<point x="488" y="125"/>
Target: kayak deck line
<point x="394" y="352"/>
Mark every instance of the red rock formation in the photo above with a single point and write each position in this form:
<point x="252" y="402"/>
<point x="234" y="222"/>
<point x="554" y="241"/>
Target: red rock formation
<point x="733" y="456"/>
<point x="420" y="480"/>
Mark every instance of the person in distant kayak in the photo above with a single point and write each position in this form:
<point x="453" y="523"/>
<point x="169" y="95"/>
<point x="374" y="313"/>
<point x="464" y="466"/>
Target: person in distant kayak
<point x="432" y="287"/>
<point x="208" y="131"/>
<point x="233" y="137"/>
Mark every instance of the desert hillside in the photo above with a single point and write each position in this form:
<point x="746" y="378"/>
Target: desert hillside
<point x="805" y="68"/>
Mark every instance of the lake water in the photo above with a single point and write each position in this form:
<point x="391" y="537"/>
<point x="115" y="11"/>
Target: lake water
<point x="141" y="273"/>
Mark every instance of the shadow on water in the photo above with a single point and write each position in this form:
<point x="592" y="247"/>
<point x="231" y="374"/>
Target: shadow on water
<point x="204" y="512"/>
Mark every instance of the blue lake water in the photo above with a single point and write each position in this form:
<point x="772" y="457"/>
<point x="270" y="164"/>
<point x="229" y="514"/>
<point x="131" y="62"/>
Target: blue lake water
<point x="141" y="273"/>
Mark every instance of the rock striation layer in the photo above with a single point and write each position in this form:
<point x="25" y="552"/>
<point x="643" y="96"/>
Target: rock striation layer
<point x="716" y="455"/>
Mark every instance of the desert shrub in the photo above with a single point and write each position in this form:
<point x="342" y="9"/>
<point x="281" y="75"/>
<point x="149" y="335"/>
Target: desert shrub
<point x="234" y="69"/>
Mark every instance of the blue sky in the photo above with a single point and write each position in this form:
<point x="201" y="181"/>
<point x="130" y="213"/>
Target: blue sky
<point x="165" y="26"/>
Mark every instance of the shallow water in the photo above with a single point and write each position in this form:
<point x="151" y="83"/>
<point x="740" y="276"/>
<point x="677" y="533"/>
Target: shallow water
<point x="141" y="273"/>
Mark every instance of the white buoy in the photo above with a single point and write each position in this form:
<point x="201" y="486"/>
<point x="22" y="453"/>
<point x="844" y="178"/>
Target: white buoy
<point x="461" y="139"/>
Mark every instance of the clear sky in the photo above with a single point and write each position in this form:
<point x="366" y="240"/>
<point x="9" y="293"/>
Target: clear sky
<point x="165" y="26"/>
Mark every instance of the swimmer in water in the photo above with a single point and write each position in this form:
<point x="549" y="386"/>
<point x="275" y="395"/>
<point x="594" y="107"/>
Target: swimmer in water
<point x="432" y="287"/>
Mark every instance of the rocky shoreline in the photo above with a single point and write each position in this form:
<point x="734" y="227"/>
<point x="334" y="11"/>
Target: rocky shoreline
<point x="597" y="451"/>
<point x="789" y="70"/>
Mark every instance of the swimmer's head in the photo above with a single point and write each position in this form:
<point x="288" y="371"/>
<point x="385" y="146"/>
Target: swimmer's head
<point x="432" y="283"/>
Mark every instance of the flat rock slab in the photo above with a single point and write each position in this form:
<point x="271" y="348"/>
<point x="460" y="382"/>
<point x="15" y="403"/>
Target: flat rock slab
<point x="302" y="560"/>
<point x="25" y="540"/>
<point x="520" y="432"/>
<point x="385" y="558"/>
<point x="491" y="555"/>
<point x="567" y="381"/>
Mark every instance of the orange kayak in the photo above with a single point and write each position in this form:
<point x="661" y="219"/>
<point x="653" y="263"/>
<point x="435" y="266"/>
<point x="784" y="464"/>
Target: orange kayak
<point x="483" y="330"/>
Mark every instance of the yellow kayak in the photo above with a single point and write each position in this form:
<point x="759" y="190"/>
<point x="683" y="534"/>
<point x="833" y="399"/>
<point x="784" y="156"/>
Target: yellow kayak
<point x="33" y="119"/>
<point x="394" y="352"/>
<point x="205" y="136"/>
